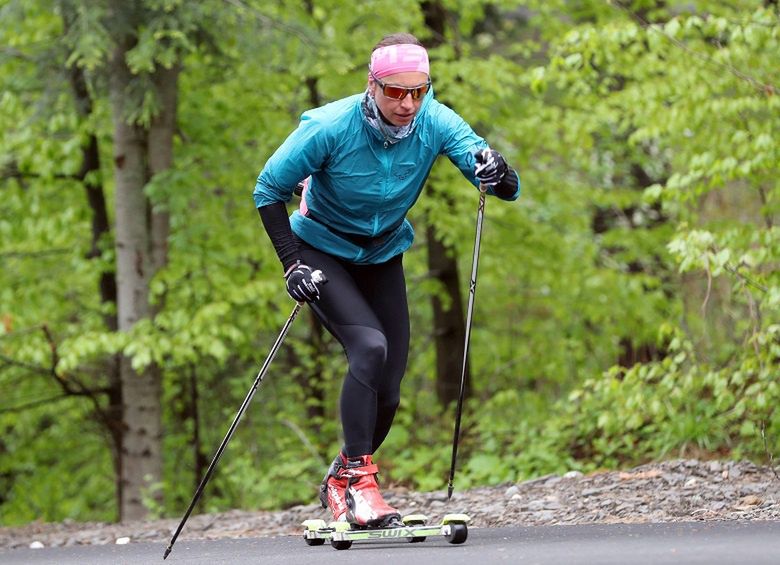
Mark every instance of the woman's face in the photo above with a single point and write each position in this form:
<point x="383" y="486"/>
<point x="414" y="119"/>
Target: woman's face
<point x="398" y="112"/>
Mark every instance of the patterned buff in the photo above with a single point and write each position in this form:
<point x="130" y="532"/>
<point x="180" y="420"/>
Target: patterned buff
<point x="392" y="134"/>
<point x="402" y="58"/>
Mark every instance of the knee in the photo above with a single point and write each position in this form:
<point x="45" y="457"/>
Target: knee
<point x="372" y="350"/>
<point x="389" y="403"/>
<point x="368" y="355"/>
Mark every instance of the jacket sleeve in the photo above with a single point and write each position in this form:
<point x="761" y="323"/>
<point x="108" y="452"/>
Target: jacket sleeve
<point x="460" y="143"/>
<point x="303" y="152"/>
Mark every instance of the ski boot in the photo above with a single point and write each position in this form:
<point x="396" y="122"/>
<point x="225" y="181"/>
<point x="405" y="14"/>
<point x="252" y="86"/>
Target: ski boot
<point x="351" y="491"/>
<point x="365" y="505"/>
<point x="333" y="489"/>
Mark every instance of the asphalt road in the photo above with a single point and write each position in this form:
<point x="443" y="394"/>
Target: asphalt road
<point x="711" y="543"/>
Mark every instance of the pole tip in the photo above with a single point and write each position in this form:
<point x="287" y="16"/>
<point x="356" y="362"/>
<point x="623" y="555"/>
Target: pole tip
<point x="167" y="551"/>
<point x="449" y="492"/>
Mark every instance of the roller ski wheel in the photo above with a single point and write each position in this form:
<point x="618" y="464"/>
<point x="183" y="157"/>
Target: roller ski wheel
<point x="458" y="533"/>
<point x="340" y="544"/>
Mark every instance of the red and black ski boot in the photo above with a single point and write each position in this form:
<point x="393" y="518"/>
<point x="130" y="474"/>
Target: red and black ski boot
<point x="365" y="505"/>
<point x="333" y="489"/>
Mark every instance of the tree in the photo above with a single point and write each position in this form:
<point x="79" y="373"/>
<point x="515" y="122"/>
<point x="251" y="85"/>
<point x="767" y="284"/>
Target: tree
<point x="449" y="324"/>
<point x="135" y="50"/>
<point x="686" y="96"/>
<point x="140" y="152"/>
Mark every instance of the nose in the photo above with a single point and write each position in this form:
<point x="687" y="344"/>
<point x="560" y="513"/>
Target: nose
<point x="407" y="101"/>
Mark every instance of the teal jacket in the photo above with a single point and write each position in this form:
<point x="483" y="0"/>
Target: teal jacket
<point x="361" y="183"/>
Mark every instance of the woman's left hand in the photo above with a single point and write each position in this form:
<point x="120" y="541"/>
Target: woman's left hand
<point x="490" y="167"/>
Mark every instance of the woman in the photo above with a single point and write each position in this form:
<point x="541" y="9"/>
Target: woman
<point x="365" y="159"/>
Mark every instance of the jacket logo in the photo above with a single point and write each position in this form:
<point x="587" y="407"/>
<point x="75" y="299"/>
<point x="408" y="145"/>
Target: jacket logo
<point x="404" y="171"/>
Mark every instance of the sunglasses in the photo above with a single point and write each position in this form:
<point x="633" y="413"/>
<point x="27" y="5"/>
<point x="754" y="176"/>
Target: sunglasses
<point x="399" y="92"/>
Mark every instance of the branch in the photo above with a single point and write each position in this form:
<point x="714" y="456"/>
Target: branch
<point x="11" y="171"/>
<point x="708" y="270"/>
<point x="32" y="254"/>
<point x="70" y="385"/>
<point x="30" y="367"/>
<point x="81" y="390"/>
<point x="769" y="455"/>
<point x="270" y="22"/>
<point x="747" y="280"/>
<point x="15" y="53"/>
<point x="33" y="404"/>
<point x="16" y="333"/>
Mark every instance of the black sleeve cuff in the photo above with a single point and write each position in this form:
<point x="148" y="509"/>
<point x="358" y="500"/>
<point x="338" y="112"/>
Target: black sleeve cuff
<point x="507" y="188"/>
<point x="277" y="226"/>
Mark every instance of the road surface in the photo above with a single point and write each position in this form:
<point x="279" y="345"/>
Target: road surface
<point x="710" y="543"/>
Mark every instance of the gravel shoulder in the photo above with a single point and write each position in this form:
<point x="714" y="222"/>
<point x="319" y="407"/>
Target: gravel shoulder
<point x="669" y="491"/>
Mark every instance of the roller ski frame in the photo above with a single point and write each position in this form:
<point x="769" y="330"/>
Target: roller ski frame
<point x="413" y="528"/>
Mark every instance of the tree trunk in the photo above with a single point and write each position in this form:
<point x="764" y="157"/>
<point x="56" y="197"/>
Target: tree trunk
<point x="198" y="457"/>
<point x="449" y="329"/>
<point x="141" y="391"/>
<point x="160" y="154"/>
<point x="449" y="326"/>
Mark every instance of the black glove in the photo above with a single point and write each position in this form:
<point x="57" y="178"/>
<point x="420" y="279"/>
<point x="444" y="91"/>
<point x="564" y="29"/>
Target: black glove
<point x="303" y="283"/>
<point x="490" y="167"/>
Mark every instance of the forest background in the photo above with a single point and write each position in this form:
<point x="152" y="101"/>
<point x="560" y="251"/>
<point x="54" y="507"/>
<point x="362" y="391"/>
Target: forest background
<point x="627" y="306"/>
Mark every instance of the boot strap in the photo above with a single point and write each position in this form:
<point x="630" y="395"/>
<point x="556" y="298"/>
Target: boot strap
<point x="358" y="471"/>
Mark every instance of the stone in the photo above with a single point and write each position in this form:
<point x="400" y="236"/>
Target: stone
<point x="749" y="500"/>
<point x="535" y="505"/>
<point x="512" y="491"/>
<point x="714" y="467"/>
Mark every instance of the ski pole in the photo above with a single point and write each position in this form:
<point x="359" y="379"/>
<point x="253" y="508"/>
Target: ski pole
<point x="318" y="277"/>
<point x="469" y="312"/>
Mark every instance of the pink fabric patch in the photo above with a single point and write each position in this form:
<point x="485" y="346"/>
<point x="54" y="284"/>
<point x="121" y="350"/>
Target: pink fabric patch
<point x="303" y="208"/>
<point x="401" y="58"/>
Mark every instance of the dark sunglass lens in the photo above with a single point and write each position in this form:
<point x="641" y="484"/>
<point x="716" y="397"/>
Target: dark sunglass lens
<point x="420" y="91"/>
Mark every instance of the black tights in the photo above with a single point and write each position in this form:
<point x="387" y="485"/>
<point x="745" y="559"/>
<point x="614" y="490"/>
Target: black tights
<point x="365" y="308"/>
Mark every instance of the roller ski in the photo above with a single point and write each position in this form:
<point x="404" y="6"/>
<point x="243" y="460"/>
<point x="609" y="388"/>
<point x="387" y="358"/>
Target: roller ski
<point x="413" y="528"/>
<point x="351" y="492"/>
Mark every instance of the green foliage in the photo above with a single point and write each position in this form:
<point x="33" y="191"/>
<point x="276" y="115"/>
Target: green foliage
<point x="54" y="465"/>
<point x="686" y="103"/>
<point x="676" y="404"/>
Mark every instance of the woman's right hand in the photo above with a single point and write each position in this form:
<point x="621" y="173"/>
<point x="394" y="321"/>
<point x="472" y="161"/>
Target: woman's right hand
<point x="303" y="284"/>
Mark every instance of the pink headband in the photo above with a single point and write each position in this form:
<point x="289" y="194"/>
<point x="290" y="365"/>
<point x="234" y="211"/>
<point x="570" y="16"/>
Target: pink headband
<point x="399" y="58"/>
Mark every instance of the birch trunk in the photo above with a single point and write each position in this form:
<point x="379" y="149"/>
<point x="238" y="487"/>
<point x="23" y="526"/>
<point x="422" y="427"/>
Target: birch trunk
<point x="141" y="466"/>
